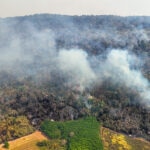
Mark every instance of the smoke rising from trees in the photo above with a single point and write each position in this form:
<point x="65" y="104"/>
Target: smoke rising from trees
<point x="35" y="53"/>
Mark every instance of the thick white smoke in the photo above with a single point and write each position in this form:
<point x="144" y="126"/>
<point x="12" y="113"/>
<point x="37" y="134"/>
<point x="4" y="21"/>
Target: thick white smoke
<point x="118" y="68"/>
<point x="74" y="64"/>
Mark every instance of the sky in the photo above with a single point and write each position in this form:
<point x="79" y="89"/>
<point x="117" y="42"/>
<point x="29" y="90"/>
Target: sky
<point x="9" y="8"/>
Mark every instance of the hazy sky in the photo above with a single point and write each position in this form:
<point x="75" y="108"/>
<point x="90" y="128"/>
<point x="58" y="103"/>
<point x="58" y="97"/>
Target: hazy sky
<point x="74" y="7"/>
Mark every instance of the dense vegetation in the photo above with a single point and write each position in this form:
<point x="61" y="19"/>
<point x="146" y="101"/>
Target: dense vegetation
<point x="14" y="127"/>
<point x="82" y="134"/>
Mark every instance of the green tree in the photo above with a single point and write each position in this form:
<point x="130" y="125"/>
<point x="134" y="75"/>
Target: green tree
<point x="6" y="144"/>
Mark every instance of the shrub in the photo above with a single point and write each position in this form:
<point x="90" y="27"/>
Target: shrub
<point x="6" y="145"/>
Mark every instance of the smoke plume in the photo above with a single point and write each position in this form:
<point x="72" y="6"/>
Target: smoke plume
<point x="37" y="52"/>
<point x="74" y="64"/>
<point x="120" y="69"/>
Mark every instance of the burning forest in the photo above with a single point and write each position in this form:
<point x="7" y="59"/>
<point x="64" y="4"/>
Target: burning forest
<point x="68" y="67"/>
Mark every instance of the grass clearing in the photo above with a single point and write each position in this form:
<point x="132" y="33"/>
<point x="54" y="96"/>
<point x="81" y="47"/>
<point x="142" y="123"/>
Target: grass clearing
<point x="27" y="142"/>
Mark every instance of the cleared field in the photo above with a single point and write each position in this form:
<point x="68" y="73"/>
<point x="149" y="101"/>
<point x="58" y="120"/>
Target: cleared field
<point x="26" y="143"/>
<point x="116" y="141"/>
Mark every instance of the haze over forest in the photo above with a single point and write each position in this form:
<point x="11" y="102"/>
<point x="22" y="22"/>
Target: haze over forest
<point x="68" y="67"/>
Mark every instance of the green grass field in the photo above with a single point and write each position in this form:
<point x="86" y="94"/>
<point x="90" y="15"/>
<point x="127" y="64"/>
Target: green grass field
<point x="82" y="134"/>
